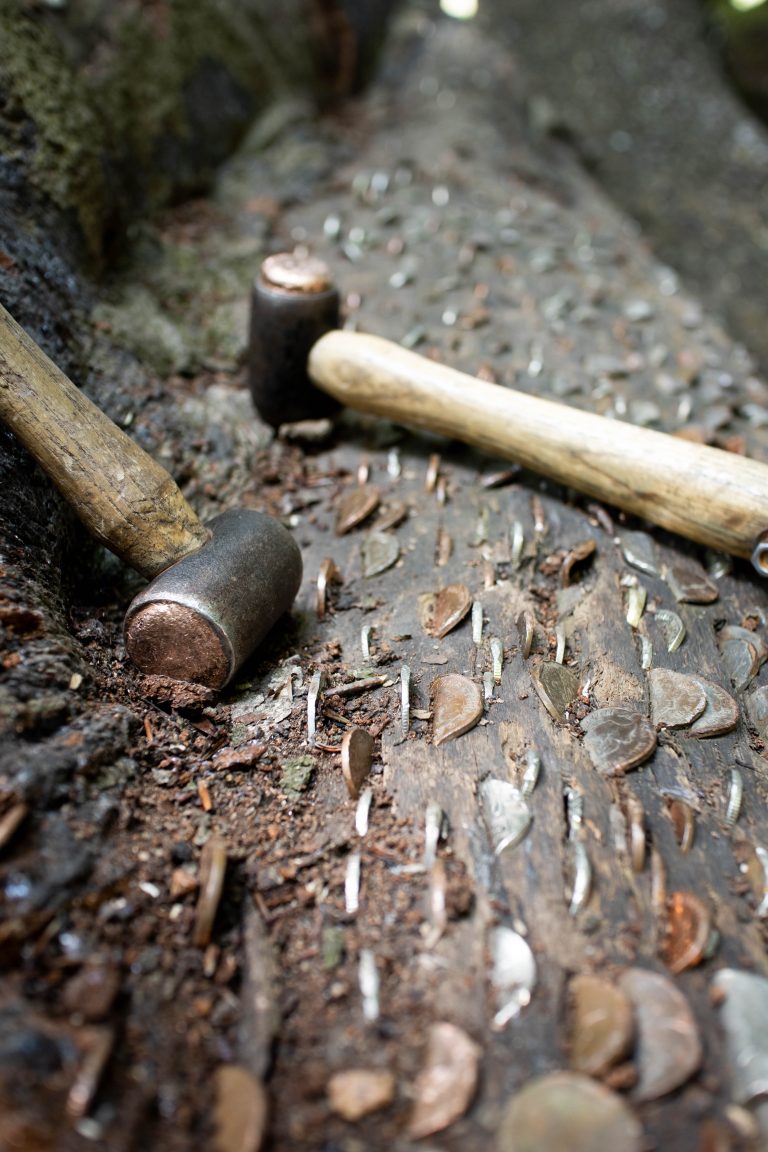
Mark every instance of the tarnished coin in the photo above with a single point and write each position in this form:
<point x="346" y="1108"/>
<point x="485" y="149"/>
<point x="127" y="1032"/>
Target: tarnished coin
<point x="690" y="583"/>
<point x="744" y="1013"/>
<point x="446" y="1085"/>
<point x="557" y="688"/>
<point x="741" y="660"/>
<point x="618" y="739"/>
<point x="443" y="610"/>
<point x="565" y="1110"/>
<point x="637" y="549"/>
<point x="577" y="555"/>
<point x="457" y="705"/>
<point x="356" y="506"/>
<point x="736" y="632"/>
<point x="721" y="713"/>
<point x="757" y="707"/>
<point x="602" y="1025"/>
<point x="506" y="812"/>
<point x="668" y="1049"/>
<point x="686" y="932"/>
<point x="683" y="817"/>
<point x="676" y="699"/>
<point x="525" y="627"/>
<point x="356" y="757"/>
<point x="241" y="1109"/>
<point x="357" y="1092"/>
<point x="672" y="627"/>
<point x="379" y="551"/>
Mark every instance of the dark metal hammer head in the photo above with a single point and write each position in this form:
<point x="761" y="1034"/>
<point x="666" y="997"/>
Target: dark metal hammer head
<point x="293" y="304"/>
<point x="202" y="617"/>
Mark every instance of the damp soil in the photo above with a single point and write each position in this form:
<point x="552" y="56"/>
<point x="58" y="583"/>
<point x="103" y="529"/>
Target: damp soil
<point x="451" y="229"/>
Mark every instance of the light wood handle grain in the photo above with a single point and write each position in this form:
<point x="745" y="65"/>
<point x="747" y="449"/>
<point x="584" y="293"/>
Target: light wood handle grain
<point x="124" y="497"/>
<point x="710" y="496"/>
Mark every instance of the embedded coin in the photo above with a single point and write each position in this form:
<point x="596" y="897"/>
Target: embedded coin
<point x="445" y="609"/>
<point x="457" y="705"/>
<point x="445" y="1086"/>
<point x="676" y="699"/>
<point x="379" y="551"/>
<point x="721" y="712"/>
<point x="744" y="1013"/>
<point x="618" y="739"/>
<point x="355" y="506"/>
<point x="507" y="813"/>
<point x="356" y="757"/>
<point x="687" y="931"/>
<point x="602" y="1025"/>
<point x="741" y="660"/>
<point x="567" y="1110"/>
<point x="668" y="1049"/>
<point x="690" y="583"/>
<point x="557" y="688"/>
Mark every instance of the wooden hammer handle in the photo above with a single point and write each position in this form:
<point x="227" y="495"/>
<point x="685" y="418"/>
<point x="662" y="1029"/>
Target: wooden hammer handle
<point x="124" y="497"/>
<point x="713" y="497"/>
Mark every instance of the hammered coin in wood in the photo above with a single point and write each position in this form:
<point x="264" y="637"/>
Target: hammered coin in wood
<point x="618" y="739"/>
<point x="741" y="661"/>
<point x="744" y="1015"/>
<point x="602" y="1025"/>
<point x="457" y="705"/>
<point x="557" y="688"/>
<point x="356" y="506"/>
<point x="513" y="975"/>
<point x="379" y="551"/>
<point x="442" y="611"/>
<point x="668" y="1049"/>
<point x="721" y="713"/>
<point x="446" y="1084"/>
<point x="507" y="813"/>
<point x="356" y="757"/>
<point x="565" y="1110"/>
<point x="687" y="931"/>
<point x="676" y="699"/>
<point x="690" y="583"/>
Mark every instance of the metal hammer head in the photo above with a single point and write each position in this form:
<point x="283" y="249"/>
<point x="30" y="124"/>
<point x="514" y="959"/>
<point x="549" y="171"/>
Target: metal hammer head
<point x="293" y="304"/>
<point x="202" y="617"/>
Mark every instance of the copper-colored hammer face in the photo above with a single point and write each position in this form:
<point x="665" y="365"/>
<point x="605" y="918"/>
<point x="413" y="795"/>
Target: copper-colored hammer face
<point x="293" y="304"/>
<point x="201" y="618"/>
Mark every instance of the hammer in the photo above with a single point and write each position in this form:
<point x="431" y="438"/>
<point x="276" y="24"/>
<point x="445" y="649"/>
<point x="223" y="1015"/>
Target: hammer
<point x="302" y="366"/>
<point x="216" y="589"/>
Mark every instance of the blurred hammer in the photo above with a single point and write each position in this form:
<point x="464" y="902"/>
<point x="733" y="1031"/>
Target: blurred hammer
<point x="216" y="589"/>
<point x="303" y="367"/>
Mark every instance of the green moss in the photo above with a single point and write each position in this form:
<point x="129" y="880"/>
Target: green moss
<point x="67" y="146"/>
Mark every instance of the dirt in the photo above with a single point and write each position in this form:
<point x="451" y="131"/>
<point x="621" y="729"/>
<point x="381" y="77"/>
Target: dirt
<point x="450" y="230"/>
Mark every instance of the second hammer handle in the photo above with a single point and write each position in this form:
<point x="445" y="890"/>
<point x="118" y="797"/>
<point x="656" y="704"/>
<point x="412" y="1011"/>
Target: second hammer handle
<point x="713" y="497"/>
<point x="125" y="498"/>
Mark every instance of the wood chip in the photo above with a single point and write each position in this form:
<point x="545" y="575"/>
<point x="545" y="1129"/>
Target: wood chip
<point x="442" y="611"/>
<point x="557" y="688"/>
<point x="358" y="1092"/>
<point x="602" y="1025"/>
<point x="676" y="699"/>
<point x="457" y="705"/>
<point x="668" y="1049"/>
<point x="356" y="506"/>
<point x="686" y="932"/>
<point x="618" y="739"/>
<point x="240" y="1110"/>
<point x="566" y="1110"/>
<point x="356" y="757"/>
<point x="213" y="865"/>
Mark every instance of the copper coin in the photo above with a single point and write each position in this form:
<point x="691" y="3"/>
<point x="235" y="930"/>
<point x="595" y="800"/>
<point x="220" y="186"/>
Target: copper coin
<point x="457" y="705"/>
<point x="356" y="506"/>
<point x="356" y="758"/>
<point x="687" y="931"/>
<point x="445" y="609"/>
